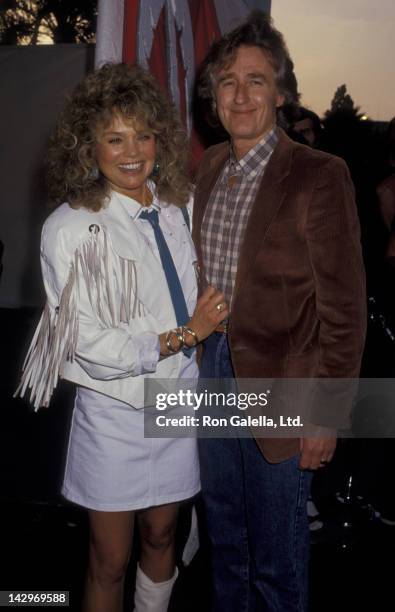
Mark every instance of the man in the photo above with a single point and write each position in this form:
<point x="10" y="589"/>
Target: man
<point x="308" y="125"/>
<point x="276" y="230"/>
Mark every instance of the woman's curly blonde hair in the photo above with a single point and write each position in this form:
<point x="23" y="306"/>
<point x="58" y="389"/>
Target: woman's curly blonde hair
<point x="134" y="94"/>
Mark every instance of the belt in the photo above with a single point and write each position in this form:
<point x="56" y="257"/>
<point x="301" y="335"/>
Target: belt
<point x="222" y="328"/>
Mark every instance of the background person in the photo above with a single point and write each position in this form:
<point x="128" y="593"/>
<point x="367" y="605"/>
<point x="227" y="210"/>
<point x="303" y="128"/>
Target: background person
<point x="308" y="124"/>
<point x="386" y="188"/>
<point x="118" y="268"/>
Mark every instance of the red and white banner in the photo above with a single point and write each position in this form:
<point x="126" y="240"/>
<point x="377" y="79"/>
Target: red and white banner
<point x="170" y="37"/>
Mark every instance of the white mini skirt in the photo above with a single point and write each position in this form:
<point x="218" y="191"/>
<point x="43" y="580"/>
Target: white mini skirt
<point x="111" y="466"/>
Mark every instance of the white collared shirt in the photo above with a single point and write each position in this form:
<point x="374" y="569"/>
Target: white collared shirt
<point x="179" y="241"/>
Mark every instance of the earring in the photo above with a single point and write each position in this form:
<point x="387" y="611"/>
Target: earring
<point x="155" y="170"/>
<point x="94" y="174"/>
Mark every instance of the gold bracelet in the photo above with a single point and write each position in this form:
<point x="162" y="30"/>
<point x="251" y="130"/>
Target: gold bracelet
<point x="178" y="332"/>
<point x="179" y="338"/>
<point x="191" y="332"/>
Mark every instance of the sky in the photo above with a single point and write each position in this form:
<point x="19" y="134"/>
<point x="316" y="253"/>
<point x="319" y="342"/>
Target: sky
<point x="342" y="41"/>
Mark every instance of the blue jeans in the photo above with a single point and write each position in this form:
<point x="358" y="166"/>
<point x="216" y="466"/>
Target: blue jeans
<point x="256" y="516"/>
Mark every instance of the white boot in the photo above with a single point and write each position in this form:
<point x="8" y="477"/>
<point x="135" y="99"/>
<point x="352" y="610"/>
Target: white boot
<point x="152" y="596"/>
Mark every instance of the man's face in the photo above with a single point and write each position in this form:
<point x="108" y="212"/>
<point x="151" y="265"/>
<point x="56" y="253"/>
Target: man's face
<point x="247" y="98"/>
<point x="305" y="128"/>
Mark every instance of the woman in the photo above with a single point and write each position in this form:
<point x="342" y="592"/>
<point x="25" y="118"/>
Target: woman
<point x="113" y="317"/>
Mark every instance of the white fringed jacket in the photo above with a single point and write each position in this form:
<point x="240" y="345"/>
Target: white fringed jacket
<point x="107" y="301"/>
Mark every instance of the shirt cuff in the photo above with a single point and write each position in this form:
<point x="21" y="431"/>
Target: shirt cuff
<point x="148" y="349"/>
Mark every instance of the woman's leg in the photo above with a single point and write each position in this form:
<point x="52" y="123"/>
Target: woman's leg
<point x="156" y="572"/>
<point x="157" y="530"/>
<point x="109" y="551"/>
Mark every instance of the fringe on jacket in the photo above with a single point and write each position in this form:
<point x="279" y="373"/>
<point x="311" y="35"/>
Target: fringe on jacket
<point x="55" y="339"/>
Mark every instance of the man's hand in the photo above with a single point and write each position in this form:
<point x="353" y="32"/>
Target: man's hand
<point x="316" y="451"/>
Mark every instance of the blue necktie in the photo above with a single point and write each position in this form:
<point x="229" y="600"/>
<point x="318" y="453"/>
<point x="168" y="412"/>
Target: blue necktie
<point x="175" y="289"/>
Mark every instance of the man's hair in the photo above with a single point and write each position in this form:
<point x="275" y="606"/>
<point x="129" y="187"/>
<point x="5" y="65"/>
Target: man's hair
<point x="305" y="113"/>
<point x="257" y="31"/>
<point x="133" y="94"/>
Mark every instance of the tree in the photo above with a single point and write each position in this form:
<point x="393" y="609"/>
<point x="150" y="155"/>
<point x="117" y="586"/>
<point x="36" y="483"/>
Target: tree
<point x="343" y="103"/>
<point x="346" y="136"/>
<point x="14" y="27"/>
<point x="62" y="21"/>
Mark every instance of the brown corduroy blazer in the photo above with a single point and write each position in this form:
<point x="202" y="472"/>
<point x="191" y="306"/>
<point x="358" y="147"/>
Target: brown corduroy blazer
<point x="299" y="304"/>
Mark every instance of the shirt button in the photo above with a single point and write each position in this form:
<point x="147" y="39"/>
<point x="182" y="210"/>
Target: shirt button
<point x="227" y="223"/>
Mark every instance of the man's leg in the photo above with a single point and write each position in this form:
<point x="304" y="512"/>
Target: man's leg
<point x="276" y="497"/>
<point x="258" y="528"/>
<point x="222" y="478"/>
<point x="256" y="517"/>
<point x="221" y="469"/>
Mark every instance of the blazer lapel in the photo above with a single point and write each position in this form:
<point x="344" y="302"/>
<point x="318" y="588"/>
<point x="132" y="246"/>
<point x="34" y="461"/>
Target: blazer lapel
<point x="270" y="197"/>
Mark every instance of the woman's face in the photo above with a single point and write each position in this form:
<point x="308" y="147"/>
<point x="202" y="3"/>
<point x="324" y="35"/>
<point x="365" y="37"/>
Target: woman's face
<point x="125" y="154"/>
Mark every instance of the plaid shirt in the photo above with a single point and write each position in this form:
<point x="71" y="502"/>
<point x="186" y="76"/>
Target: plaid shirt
<point x="228" y="210"/>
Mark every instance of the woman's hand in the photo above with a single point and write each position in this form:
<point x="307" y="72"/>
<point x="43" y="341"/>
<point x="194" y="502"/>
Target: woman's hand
<point x="211" y="309"/>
